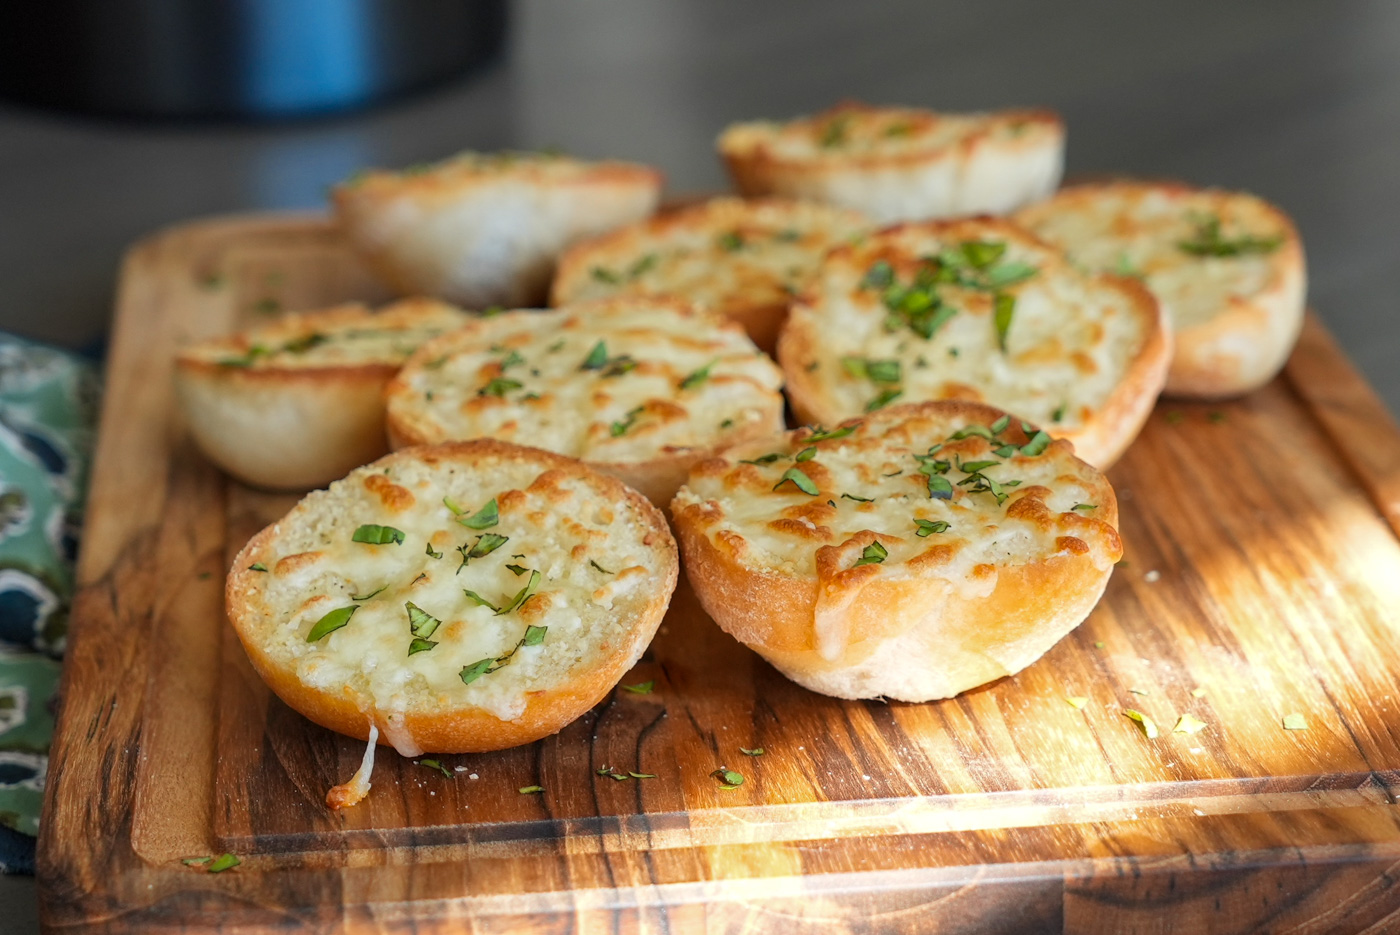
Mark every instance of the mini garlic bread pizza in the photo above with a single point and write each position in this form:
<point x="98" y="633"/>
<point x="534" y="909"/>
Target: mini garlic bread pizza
<point x="456" y="598"/>
<point x="913" y="554"/>
<point x="640" y="388"/>
<point x="901" y="163"/>
<point x="977" y="309"/>
<point x="297" y="402"/>
<point x="486" y="229"/>
<point x="1227" y="268"/>
<point x="743" y="259"/>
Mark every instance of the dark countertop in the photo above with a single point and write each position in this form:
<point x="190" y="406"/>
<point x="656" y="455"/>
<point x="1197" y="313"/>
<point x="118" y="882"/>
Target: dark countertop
<point x="1297" y="100"/>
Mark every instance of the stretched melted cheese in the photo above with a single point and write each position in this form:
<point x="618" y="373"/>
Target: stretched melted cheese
<point x="523" y="377"/>
<point x="344" y="336"/>
<point x="1137" y="228"/>
<point x="1070" y="341"/>
<point x="726" y="254"/>
<point x="597" y="564"/>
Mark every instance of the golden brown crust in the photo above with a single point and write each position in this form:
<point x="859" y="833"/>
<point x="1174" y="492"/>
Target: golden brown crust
<point x="462" y="728"/>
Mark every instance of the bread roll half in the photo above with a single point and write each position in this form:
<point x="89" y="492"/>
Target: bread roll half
<point x="298" y="402"/>
<point x="901" y="163"/>
<point x="977" y="309"/>
<point x="743" y="259"/>
<point x="486" y="229"/>
<point x="463" y="597"/>
<point x="913" y="554"/>
<point x="640" y="388"/>
<point x="1227" y="268"/>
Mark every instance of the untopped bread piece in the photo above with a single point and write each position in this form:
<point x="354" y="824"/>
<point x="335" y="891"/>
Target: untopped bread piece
<point x="1227" y="268"/>
<point x="486" y="229"/>
<point x="913" y="554"/>
<point x="297" y="402"/>
<point x="640" y="388"/>
<point x="901" y="163"/>
<point x="744" y="259"/>
<point x="462" y="597"/>
<point x="977" y="309"/>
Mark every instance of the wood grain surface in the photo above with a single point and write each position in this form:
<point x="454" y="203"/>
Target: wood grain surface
<point x="1262" y="579"/>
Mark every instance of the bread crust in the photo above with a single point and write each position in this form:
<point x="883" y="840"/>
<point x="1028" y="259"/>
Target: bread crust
<point x="1100" y="433"/>
<point x="910" y="634"/>
<point x="1245" y="336"/>
<point x="658" y="470"/>
<point x="486" y="230"/>
<point x="458" y="726"/>
<point x="944" y="165"/>
<point x="293" y="422"/>
<point x="775" y="245"/>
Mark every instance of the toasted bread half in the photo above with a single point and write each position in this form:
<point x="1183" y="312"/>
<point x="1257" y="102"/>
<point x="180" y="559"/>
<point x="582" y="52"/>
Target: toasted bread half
<point x="913" y="554"/>
<point x="744" y="259"/>
<point x="640" y="388"/>
<point x="462" y="597"/>
<point x="1227" y="268"/>
<point x="487" y="229"/>
<point x="977" y="309"/>
<point x="901" y="163"/>
<point x="298" y="402"/>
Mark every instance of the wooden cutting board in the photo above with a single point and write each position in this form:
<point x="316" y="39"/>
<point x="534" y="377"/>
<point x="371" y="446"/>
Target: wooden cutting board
<point x="1262" y="579"/>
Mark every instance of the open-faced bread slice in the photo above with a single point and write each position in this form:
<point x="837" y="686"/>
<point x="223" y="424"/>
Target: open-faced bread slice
<point x="640" y="388"/>
<point x="297" y="402"/>
<point x="462" y="597"/>
<point x="913" y="554"/>
<point x="486" y="229"/>
<point x="1227" y="268"/>
<point x="977" y="309"/>
<point x="744" y="259"/>
<point x="901" y="163"/>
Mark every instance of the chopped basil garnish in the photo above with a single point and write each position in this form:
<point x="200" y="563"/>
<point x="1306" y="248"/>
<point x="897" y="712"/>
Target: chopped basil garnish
<point x="622" y="426"/>
<point x="420" y="622"/>
<point x="331" y="622"/>
<point x="697" y="377"/>
<point x="1009" y="274"/>
<point x="873" y="554"/>
<point x="1005" y="308"/>
<point x="884" y="398"/>
<point x="1144" y="723"/>
<point x="1084" y="507"/>
<point x="499" y="386"/>
<point x="257" y="566"/>
<point x="419" y="645"/>
<point x="928" y="527"/>
<point x="484" y="518"/>
<point x="641" y="688"/>
<point x="223" y="862"/>
<point x="1000" y="425"/>
<point x="534" y="635"/>
<point x="475" y="671"/>
<point x="641" y="775"/>
<point x="555" y="347"/>
<point x="728" y="778"/>
<point x="799" y="480"/>
<point x="196" y="861"/>
<point x="877" y="371"/>
<point x="806" y="454"/>
<point x="619" y="365"/>
<point x="479" y="600"/>
<point x="982" y="253"/>
<point x="967" y="431"/>
<point x="304" y="343"/>
<point x="365" y="597"/>
<point x="431" y="553"/>
<point x="820" y="434"/>
<point x="1208" y="241"/>
<point x="603" y="274"/>
<point x="516" y="570"/>
<point x="834" y="133"/>
<point x="731" y="241"/>
<point x="596" y="358"/>
<point x="642" y="265"/>
<point x="522" y="595"/>
<point x="763" y="459"/>
<point x="1037" y="445"/>
<point x="1059" y="414"/>
<point x="939" y="488"/>
<point x="756" y="751"/>
<point x="436" y="765"/>
<point x="851" y="496"/>
<point x="879" y="276"/>
<point x="374" y="534"/>
<point x="531" y="790"/>
<point x="485" y="544"/>
<point x="512" y="359"/>
<point x="599" y="567"/>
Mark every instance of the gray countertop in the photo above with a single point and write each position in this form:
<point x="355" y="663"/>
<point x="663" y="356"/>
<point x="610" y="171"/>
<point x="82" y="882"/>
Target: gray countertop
<point x="1297" y="100"/>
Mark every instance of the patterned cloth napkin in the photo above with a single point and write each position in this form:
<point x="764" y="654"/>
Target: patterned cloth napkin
<point x="48" y="411"/>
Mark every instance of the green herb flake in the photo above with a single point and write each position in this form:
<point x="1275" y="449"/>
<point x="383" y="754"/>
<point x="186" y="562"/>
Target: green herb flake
<point x="436" y="765"/>
<point x="939" y="487"/>
<point x="331" y="622"/>
<point x="479" y="600"/>
<point x="851" y="496"/>
<point x="819" y="434"/>
<point x="556" y="347"/>
<point x="516" y="570"/>
<point x="928" y="527"/>
<point x="475" y="671"/>
<point x="596" y="358"/>
<point x="599" y="567"/>
<point x="431" y="552"/>
<point x="1084" y="507"/>
<point x="484" y="518"/>
<point x="374" y="534"/>
<point x="763" y="459"/>
<point x="1009" y="274"/>
<point x="365" y="597"/>
<point x="531" y="790"/>
<point x="534" y="635"/>
<point x="420" y="622"/>
<point x="1005" y="308"/>
<point x="267" y="306"/>
<point x="697" y="377"/>
<point x="1144" y="723"/>
<point x="1208" y="241"/>
<point x="1059" y="414"/>
<point x="1295" y="722"/>
<point x="834" y="132"/>
<point x="756" y="751"/>
<point x="605" y="275"/>
<point x="523" y="595"/>
<point x="872" y="554"/>
<point x="883" y="399"/>
<point x="257" y="566"/>
<point x="223" y="862"/>
<point x="799" y="480"/>
<point x="485" y="544"/>
<point x="806" y="454"/>
<point x="512" y="359"/>
<point x="196" y="861"/>
<point x="641" y="688"/>
<point x="641" y="775"/>
<point x="624" y="425"/>
<point x="879" y="276"/>
<point x="1000" y="425"/>
<point x="728" y="778"/>
<point x="1037" y="445"/>
<point x="419" y="645"/>
<point x="643" y="265"/>
<point x="730" y="241"/>
<point x="1188" y="724"/>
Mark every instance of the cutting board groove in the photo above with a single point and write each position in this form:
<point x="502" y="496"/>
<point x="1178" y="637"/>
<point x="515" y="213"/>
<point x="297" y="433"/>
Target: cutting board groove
<point x="1262" y="579"/>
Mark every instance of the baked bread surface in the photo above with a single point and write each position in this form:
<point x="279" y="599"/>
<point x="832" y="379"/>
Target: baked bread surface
<point x="827" y="576"/>
<point x="606" y="567"/>
<point x="901" y="163"/>
<point x="743" y="259"/>
<point x="486" y="229"/>
<point x="1227" y="268"/>
<point x="977" y="309"/>
<point x="638" y="387"/>
<point x="297" y="402"/>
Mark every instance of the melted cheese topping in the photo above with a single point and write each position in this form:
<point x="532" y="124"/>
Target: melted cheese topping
<point x="861" y="132"/>
<point x="1070" y="341"/>
<point x="778" y="529"/>
<point x="598" y="568"/>
<point x="348" y="335"/>
<point x="469" y="166"/>
<point x="522" y="377"/>
<point x="1135" y="229"/>
<point x="724" y="254"/>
